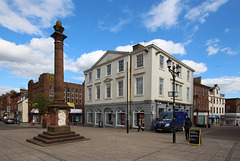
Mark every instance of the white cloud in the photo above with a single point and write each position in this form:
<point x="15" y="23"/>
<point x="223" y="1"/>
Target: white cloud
<point x="84" y="62"/>
<point x="227" y="30"/>
<point x="124" y="48"/>
<point x="81" y="79"/>
<point x="198" y="67"/>
<point x="214" y="48"/>
<point x="119" y="25"/>
<point x="27" y="16"/>
<point x="28" y="60"/>
<point x="202" y="11"/>
<point x="5" y="89"/>
<point x="168" y="46"/>
<point x="164" y="15"/>
<point x="226" y="84"/>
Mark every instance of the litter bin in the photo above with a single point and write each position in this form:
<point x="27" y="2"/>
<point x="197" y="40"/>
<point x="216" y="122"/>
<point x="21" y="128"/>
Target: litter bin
<point x="100" y="124"/>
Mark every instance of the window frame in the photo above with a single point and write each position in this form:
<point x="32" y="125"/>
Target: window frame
<point x="120" y="88"/>
<point x="139" y="86"/>
<point x="121" y="65"/>
<point x="161" y="85"/>
<point x="139" y="61"/>
<point x="109" y="69"/>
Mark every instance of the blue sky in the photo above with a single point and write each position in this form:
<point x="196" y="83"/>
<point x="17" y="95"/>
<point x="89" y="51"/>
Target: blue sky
<point x="204" y="34"/>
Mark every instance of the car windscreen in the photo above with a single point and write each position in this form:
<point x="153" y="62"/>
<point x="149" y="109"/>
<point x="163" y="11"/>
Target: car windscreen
<point x="165" y="117"/>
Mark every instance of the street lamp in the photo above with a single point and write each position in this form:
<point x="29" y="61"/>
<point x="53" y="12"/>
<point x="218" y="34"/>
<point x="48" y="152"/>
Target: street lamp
<point x="175" y="71"/>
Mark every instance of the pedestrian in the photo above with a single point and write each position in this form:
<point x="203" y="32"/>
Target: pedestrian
<point x="32" y="122"/>
<point x="187" y="126"/>
<point x="18" y="122"/>
<point x="140" y="125"/>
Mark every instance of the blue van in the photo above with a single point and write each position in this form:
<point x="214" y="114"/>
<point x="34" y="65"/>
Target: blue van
<point x="165" y="121"/>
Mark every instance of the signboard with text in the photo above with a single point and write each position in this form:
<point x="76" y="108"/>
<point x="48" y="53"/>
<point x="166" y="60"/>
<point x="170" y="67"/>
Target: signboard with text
<point x="195" y="137"/>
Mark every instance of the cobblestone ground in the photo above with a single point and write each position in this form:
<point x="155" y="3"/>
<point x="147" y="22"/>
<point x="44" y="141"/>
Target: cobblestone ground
<point x="115" y="144"/>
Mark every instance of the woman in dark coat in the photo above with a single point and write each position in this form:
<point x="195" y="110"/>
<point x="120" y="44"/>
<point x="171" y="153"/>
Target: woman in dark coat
<point x="187" y="126"/>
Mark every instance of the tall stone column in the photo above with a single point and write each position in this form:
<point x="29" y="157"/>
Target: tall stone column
<point x="58" y="63"/>
<point x="58" y="110"/>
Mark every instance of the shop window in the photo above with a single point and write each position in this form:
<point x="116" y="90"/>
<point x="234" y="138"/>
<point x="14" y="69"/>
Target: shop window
<point x="138" y="113"/>
<point x="89" y="117"/>
<point x="109" y="117"/>
<point x="97" y="116"/>
<point x="120" y="117"/>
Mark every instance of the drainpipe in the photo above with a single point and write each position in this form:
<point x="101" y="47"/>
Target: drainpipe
<point x="130" y="82"/>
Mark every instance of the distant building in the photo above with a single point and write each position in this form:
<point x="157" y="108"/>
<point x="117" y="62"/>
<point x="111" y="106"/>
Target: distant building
<point x="232" y="115"/>
<point x="216" y="105"/>
<point x="22" y="112"/>
<point x="9" y="103"/>
<point x="200" y="103"/>
<point x="73" y="94"/>
<point x="142" y="79"/>
<point x="5" y="106"/>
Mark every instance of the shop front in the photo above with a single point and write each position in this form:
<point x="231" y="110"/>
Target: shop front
<point x="138" y="113"/>
<point x="200" y="118"/>
<point x="75" y="116"/>
<point x="215" y="119"/>
<point x="34" y="115"/>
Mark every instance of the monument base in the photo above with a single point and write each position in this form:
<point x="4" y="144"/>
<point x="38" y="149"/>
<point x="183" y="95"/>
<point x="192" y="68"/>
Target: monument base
<point x="58" y="128"/>
<point x="56" y="135"/>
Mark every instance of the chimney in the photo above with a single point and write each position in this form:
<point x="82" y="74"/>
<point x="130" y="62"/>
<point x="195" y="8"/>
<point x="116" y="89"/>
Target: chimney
<point x="137" y="46"/>
<point x="197" y="80"/>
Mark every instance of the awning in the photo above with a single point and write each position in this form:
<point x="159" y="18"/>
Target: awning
<point x="76" y="111"/>
<point x="35" y="110"/>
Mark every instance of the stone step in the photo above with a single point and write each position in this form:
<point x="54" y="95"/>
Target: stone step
<point x="46" y="136"/>
<point x="58" y="133"/>
<point x="62" y="139"/>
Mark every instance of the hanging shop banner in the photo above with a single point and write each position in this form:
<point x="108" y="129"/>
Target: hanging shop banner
<point x="195" y="137"/>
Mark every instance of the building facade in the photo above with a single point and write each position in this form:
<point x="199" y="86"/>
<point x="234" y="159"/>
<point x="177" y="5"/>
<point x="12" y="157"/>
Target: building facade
<point x="73" y="95"/>
<point x="216" y="106"/>
<point x="23" y="106"/>
<point x="137" y="81"/>
<point x="200" y="103"/>
<point x="232" y="115"/>
<point x="5" y="105"/>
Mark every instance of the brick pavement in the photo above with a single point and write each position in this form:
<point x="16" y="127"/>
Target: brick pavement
<point x="115" y="144"/>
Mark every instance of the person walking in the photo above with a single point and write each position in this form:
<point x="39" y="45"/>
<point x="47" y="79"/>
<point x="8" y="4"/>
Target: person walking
<point x="140" y="125"/>
<point x="18" y="122"/>
<point x="187" y="126"/>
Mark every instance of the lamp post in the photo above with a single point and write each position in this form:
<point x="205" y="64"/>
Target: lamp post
<point x="175" y="71"/>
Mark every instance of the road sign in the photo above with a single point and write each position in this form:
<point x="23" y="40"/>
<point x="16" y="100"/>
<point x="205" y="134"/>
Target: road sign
<point x="170" y="94"/>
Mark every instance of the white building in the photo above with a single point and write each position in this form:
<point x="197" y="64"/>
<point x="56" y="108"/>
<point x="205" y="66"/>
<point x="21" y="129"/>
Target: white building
<point x="143" y="76"/>
<point x="23" y="110"/>
<point x="216" y="105"/>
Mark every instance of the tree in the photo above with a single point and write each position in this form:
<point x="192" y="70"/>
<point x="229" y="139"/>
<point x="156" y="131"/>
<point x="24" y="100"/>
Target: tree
<point x="41" y="102"/>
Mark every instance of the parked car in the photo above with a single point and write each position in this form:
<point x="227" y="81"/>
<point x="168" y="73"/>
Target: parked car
<point x="9" y="121"/>
<point x="165" y="121"/>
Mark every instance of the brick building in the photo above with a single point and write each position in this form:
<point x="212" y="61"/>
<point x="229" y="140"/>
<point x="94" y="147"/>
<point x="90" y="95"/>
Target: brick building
<point x="5" y="105"/>
<point x="200" y="103"/>
<point x="73" y="94"/>
<point x="9" y="103"/>
<point x="232" y="111"/>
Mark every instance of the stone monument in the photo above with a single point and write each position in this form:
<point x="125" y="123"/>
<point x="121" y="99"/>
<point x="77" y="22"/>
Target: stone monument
<point x="58" y="131"/>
